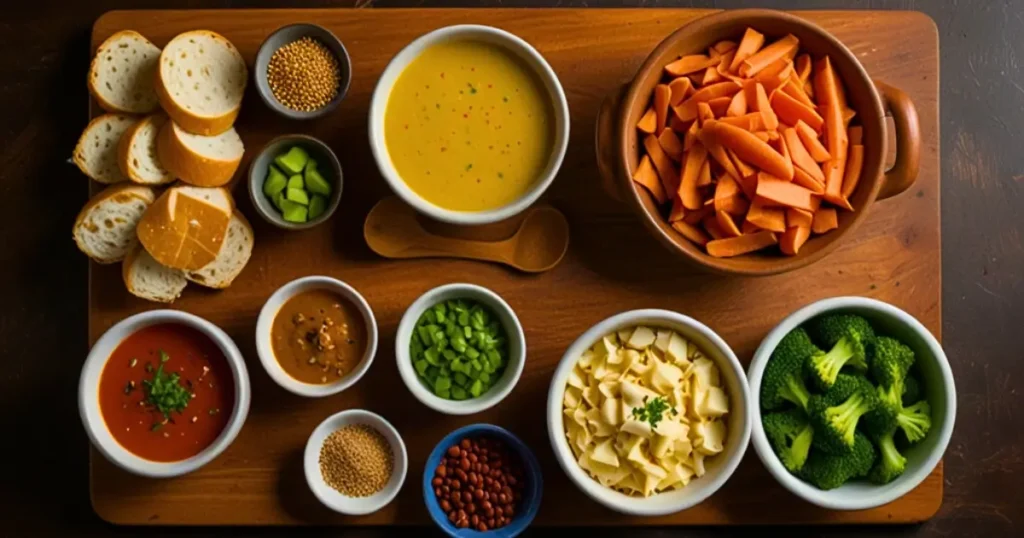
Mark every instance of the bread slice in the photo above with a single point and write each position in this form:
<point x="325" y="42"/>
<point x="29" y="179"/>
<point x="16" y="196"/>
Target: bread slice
<point x="122" y="72"/>
<point x="137" y="155"/>
<point x="185" y="227"/>
<point x="200" y="82"/>
<point x="231" y="259"/>
<point x="146" y="278"/>
<point x="105" y="228"/>
<point x="203" y="161"/>
<point x="96" y="151"/>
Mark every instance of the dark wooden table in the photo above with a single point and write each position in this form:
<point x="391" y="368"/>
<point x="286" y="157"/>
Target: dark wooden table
<point x="44" y="484"/>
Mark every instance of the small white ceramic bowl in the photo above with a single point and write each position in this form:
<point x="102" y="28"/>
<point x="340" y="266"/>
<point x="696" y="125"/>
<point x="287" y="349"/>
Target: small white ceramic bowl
<point x="332" y="498"/>
<point x="487" y="34"/>
<point x="516" y="349"/>
<point x="938" y="385"/>
<point x="265" y="348"/>
<point x="89" y="404"/>
<point x="718" y="469"/>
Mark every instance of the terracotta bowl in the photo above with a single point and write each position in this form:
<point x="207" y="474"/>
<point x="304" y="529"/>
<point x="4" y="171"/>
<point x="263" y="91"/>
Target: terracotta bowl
<point x="618" y="146"/>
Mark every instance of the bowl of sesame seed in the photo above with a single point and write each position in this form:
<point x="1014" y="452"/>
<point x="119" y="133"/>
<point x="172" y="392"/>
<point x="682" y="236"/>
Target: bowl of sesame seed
<point x="302" y="71"/>
<point x="355" y="462"/>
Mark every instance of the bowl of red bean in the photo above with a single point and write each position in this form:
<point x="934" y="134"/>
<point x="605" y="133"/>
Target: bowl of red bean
<point x="482" y="480"/>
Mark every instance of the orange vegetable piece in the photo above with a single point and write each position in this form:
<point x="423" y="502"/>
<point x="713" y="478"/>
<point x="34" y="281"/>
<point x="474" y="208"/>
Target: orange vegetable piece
<point x="856" y="135"/>
<point x="667" y="171"/>
<point x="744" y="170"/>
<point x="793" y="238"/>
<point x="693" y="161"/>
<point x="825" y="219"/>
<point x="687" y="110"/>
<point x="834" y="170"/>
<point x="798" y="217"/>
<point x="735" y="246"/>
<point x="690" y="64"/>
<point x="676" y="124"/>
<point x="646" y="176"/>
<point x="737" y="105"/>
<point x="711" y="76"/>
<point x="801" y="159"/>
<point x="826" y="85"/>
<point x="835" y="132"/>
<point x="726" y="187"/>
<point x="719" y="105"/>
<point x="806" y="181"/>
<point x="751" y="42"/>
<point x="785" y="193"/>
<point x="648" y="122"/>
<point x="765" y="217"/>
<point x="714" y="229"/>
<point x="752" y="122"/>
<point x="762" y="105"/>
<point x="694" y="217"/>
<point x="727" y="225"/>
<point x="724" y="46"/>
<point x="795" y="89"/>
<point x="791" y="111"/>
<point x="691" y="136"/>
<point x="750" y="148"/>
<point x="802" y="67"/>
<point x="691" y="232"/>
<point x="704" y="113"/>
<point x="680" y="88"/>
<point x="811" y="142"/>
<point x="734" y="205"/>
<point x="704" y="177"/>
<point x="671" y="144"/>
<point x="779" y="144"/>
<point x="661" y="98"/>
<point x="749" y="227"/>
<point x="783" y="48"/>
<point x="697" y="79"/>
<point x="677" y="212"/>
<point x="723" y="66"/>
<point x="720" y="155"/>
<point x="854" y="165"/>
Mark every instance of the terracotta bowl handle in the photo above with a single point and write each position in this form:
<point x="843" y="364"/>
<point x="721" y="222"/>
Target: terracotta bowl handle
<point x="908" y="140"/>
<point x="606" y="143"/>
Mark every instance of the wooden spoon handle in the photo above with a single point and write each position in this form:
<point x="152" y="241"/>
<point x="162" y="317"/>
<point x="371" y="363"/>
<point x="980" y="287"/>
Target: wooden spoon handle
<point x="433" y="246"/>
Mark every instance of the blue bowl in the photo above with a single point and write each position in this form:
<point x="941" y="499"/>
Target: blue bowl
<point x="531" y="495"/>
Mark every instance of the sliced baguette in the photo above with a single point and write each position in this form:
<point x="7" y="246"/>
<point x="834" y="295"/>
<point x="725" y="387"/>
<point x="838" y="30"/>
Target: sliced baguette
<point x="200" y="82"/>
<point x="96" y="151"/>
<point x="122" y="72"/>
<point x="185" y="227"/>
<point x="203" y="161"/>
<point x="231" y="259"/>
<point x="148" y="279"/>
<point x="105" y="228"/>
<point x="137" y="154"/>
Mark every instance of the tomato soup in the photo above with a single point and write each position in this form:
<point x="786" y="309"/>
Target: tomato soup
<point x="469" y="126"/>
<point x="166" y="392"/>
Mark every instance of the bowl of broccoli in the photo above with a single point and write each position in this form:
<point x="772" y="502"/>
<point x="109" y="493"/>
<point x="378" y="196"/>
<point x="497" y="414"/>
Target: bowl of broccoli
<point x="854" y="403"/>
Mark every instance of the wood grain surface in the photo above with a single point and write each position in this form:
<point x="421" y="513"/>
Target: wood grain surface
<point x="612" y="265"/>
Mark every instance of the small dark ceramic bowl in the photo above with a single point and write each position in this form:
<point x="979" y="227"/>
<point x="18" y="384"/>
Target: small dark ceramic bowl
<point x="329" y="167"/>
<point x="291" y="33"/>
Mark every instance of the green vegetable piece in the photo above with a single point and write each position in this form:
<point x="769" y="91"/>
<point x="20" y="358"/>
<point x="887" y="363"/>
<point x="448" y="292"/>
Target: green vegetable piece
<point x="444" y="394"/>
<point x="467" y="331"/>
<point x="432" y="373"/>
<point x="293" y="161"/>
<point x="421" y="367"/>
<point x="316" y="183"/>
<point x="790" y="435"/>
<point x="915" y="421"/>
<point x="432" y="356"/>
<point x="459" y="343"/>
<point x="425" y="337"/>
<point x="459" y="393"/>
<point x="449" y="355"/>
<point x="298" y="196"/>
<point x="829" y="471"/>
<point x="451" y="330"/>
<point x="415" y="347"/>
<point x="442" y="342"/>
<point x="890" y="463"/>
<point x="911" y="390"/>
<point x="461" y="379"/>
<point x="493" y="356"/>
<point x="485" y="377"/>
<point x="442" y="383"/>
<point x="317" y="206"/>
<point x="427" y="318"/>
<point x="477" y="367"/>
<point x="476" y="389"/>
<point x="295" y="182"/>
<point x="835" y="414"/>
<point x="783" y="379"/>
<point x="275" y="182"/>
<point x="277" y="200"/>
<point x="311" y="164"/>
<point x="472" y="353"/>
<point x="847" y="337"/>
<point x="457" y="365"/>
<point x="441" y="318"/>
<point x="464" y="318"/>
<point x="293" y="212"/>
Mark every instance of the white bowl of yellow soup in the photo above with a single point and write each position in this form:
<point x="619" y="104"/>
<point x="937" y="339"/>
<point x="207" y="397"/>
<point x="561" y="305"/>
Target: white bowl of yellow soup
<point x="469" y="124"/>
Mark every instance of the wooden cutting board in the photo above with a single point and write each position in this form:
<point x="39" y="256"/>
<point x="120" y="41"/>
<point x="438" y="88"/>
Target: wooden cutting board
<point x="612" y="265"/>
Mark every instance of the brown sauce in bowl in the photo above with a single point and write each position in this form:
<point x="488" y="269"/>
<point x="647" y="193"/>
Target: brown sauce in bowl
<point x="318" y="336"/>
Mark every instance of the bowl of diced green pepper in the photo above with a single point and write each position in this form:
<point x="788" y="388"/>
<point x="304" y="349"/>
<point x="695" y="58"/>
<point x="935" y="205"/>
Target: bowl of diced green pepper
<point x="460" y="349"/>
<point x="295" y="182"/>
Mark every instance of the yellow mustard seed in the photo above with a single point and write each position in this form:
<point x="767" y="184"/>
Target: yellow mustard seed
<point x="304" y="75"/>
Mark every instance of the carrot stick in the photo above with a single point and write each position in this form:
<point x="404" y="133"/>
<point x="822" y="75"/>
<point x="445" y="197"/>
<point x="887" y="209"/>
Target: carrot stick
<point x="855" y="134"/>
<point x="690" y="64"/>
<point x="780" y="68"/>
<point x="801" y="159"/>
<point x="749" y="45"/>
<point x="848" y="115"/>
<point x="719" y="154"/>
<point x="726" y="223"/>
<point x="798" y="217"/>
<point x="725" y="188"/>
<point x="735" y="246"/>
<point x="782" y="48"/>
<point x="719" y="105"/>
<point x="696" y="78"/>
<point x="736" y="206"/>
<point x="687" y="110"/>
<point x="794" y="89"/>
<point x="681" y="88"/>
<point x="691" y="232"/>
<point x="744" y="169"/>
<point x="750" y="148"/>
<point x="691" y="136"/>
<point x="704" y="113"/>
<point x="791" y="111"/>
<point x="667" y="171"/>
<point x="825" y="219"/>
<point x="661" y="97"/>
<point x="704" y="178"/>
<point x="693" y="160"/>
<point x="694" y="217"/>
<point x="737" y="106"/>
<point x="751" y="122"/>
<point x="779" y="144"/>
<point x="749" y="227"/>
<point x="710" y="223"/>
<point x="646" y="176"/>
<point x="671" y="144"/>
<point x="762" y="105"/>
<point x="802" y="66"/>
<point x="677" y="212"/>
<point x="723" y="66"/>
<point x="835" y="132"/>
<point x="794" y="238"/>
<point x="806" y="181"/>
<point x="724" y="46"/>
<point x="677" y="125"/>
<point x="854" y="164"/>
<point x="711" y="76"/>
<point x="826" y="86"/>
<point x="767" y="218"/>
<point x="648" y="122"/>
<point x="811" y="142"/>
<point x="834" y="169"/>
<point x="762" y="135"/>
<point x="785" y="193"/>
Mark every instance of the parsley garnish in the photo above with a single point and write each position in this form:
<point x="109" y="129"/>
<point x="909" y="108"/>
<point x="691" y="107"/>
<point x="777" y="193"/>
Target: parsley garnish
<point x="652" y="412"/>
<point x="165" y="393"/>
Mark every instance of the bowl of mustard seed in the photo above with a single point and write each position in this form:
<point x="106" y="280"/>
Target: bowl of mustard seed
<point x="302" y="71"/>
<point x="355" y="462"/>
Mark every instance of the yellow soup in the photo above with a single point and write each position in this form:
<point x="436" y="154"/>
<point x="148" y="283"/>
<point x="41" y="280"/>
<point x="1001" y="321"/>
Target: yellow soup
<point x="468" y="126"/>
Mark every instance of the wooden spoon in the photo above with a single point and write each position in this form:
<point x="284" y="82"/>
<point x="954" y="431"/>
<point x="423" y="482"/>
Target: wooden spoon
<point x="394" y="230"/>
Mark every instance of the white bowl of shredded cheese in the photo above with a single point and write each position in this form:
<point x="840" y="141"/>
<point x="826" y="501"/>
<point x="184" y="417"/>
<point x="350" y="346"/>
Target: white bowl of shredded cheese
<point x="648" y="412"/>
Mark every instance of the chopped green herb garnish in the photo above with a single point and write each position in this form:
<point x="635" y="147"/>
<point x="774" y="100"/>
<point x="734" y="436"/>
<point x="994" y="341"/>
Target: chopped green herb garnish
<point x="164" y="392"/>
<point x="501" y="176"/>
<point x="469" y="167"/>
<point x="653" y="411"/>
<point x="505" y="99"/>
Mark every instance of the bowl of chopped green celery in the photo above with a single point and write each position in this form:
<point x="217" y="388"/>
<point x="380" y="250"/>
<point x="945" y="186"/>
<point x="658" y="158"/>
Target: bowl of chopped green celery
<point x="854" y="403"/>
<point x="460" y="349"/>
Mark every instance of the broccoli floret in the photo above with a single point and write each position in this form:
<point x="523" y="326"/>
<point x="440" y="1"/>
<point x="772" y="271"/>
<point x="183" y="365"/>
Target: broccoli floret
<point x="890" y="360"/>
<point x="911" y="389"/>
<point x="829" y="471"/>
<point x="835" y="414"/>
<point x="915" y="421"/>
<point x="890" y="463"/>
<point x="847" y="338"/>
<point x="882" y="419"/>
<point x="790" y="434"/>
<point x="784" y="375"/>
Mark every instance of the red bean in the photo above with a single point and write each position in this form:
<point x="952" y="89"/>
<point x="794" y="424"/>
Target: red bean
<point x="442" y="471"/>
<point x="465" y="444"/>
<point x="467" y="497"/>
<point x="465" y="464"/>
<point x="437" y="482"/>
<point x="456" y="485"/>
<point x="437" y="492"/>
<point x="499" y="512"/>
<point x="475" y="520"/>
<point x="462" y="475"/>
<point x="453" y="451"/>
<point x="482" y="527"/>
<point x="446" y="506"/>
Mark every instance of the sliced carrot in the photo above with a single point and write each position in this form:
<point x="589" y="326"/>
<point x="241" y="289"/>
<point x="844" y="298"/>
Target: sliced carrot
<point x="697" y="79"/>
<point x="749" y="227"/>
<point x="724" y="46"/>
<point x="667" y="171"/>
<point x="681" y="88"/>
<point x="795" y="89"/>
<point x="711" y="76"/>
<point x="704" y="113"/>
<point x="687" y="110"/>
<point x="826" y="85"/>
<point x="855" y="134"/>
<point x="809" y="89"/>
<point x="793" y="238"/>
<point x="811" y="142"/>
<point x="719" y="105"/>
<point x="779" y="144"/>
<point x="710" y="223"/>
<point x="780" y="68"/>
<point x="762" y="135"/>
<point x="806" y="181"/>
<point x="825" y="219"/>
<point x="835" y="132"/>
<point x="802" y="67"/>
<point x="691" y="136"/>
<point x="723" y="66"/>
<point x="750" y="148"/>
<point x="678" y="211"/>
<point x="744" y="169"/>
<point x="749" y="45"/>
<point x="671" y="144"/>
<point x="801" y="159"/>
<point x="762" y="105"/>
<point x="719" y="154"/>
<point x="691" y="232"/>
<point x="785" y="47"/>
<point x="781" y="192"/>
<point x="692" y="162"/>
<point x="774" y="82"/>
<point x="694" y="217"/>
<point x="750" y="122"/>
<point x="677" y="125"/>
<point x="704" y="177"/>
<point x="834" y="170"/>
<point x="791" y="111"/>
<point x="727" y="224"/>
<point x="690" y="64"/>
<point x="735" y="246"/>
<point x="848" y="115"/>
<point x="798" y="217"/>
<point x="854" y="164"/>
<point x="766" y="218"/>
<point x="736" y="206"/>
<point x="725" y="188"/>
<point x="661" y="98"/>
<point x="646" y="176"/>
<point x="737" y="105"/>
<point x="648" y="123"/>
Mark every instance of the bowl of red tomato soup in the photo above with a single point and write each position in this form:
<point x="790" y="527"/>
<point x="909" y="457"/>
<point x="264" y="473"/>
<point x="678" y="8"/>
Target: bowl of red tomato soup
<point x="163" y="393"/>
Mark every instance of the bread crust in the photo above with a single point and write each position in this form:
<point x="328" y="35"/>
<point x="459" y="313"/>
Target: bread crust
<point x="124" y="150"/>
<point x="191" y="167"/>
<point x="194" y="123"/>
<point x="78" y="156"/>
<point x="142" y="192"/>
